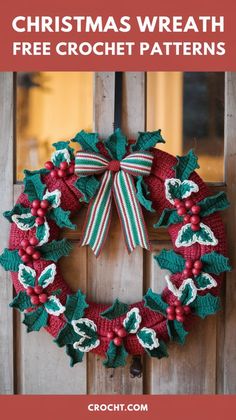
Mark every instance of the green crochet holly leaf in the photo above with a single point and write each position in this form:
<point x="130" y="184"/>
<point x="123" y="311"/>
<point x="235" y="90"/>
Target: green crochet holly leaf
<point x="53" y="251"/>
<point x="34" y="187"/>
<point x="66" y="336"/>
<point x="170" y="260"/>
<point x="132" y="321"/>
<point x="24" y="221"/>
<point x="205" y="305"/>
<point x="21" y="302"/>
<point x="215" y="263"/>
<point x="186" y="165"/>
<point x="159" y="352"/>
<point x="75" y="306"/>
<point x="53" y="197"/>
<point x="147" y="338"/>
<point x="115" y="356"/>
<point x="155" y="302"/>
<point x="87" y="338"/>
<point x="42" y="171"/>
<point x="147" y="140"/>
<point x="174" y="188"/>
<point x="88" y="141"/>
<point x="17" y="209"/>
<point x="88" y="186"/>
<point x="76" y="356"/>
<point x="187" y="237"/>
<point x="116" y="145"/>
<point x="47" y="276"/>
<point x="59" y="156"/>
<point x="42" y="233"/>
<point x="176" y="331"/>
<point x="205" y="281"/>
<point x="214" y="203"/>
<point x="10" y="260"/>
<point x="35" y="320"/>
<point x="61" y="218"/>
<point x="142" y="193"/>
<point x="189" y="292"/>
<point x="26" y="276"/>
<point x="60" y="145"/>
<point x="116" y="310"/>
<point x="167" y="218"/>
<point x="53" y="306"/>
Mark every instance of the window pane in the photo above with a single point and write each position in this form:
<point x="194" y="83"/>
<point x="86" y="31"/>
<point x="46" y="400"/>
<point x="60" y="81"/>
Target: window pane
<point x="189" y="108"/>
<point x="51" y="106"/>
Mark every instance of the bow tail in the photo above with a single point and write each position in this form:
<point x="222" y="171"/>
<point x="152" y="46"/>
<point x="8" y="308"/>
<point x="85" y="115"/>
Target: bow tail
<point x="130" y="212"/>
<point x="98" y="216"/>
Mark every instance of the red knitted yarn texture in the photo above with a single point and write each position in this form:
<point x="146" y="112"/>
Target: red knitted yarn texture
<point x="161" y="170"/>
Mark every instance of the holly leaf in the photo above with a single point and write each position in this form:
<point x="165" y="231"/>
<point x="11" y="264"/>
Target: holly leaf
<point x="116" y="310"/>
<point x="205" y="281"/>
<point x="214" y="203"/>
<point x="53" y="197"/>
<point x="132" y="321"/>
<point x="47" y="276"/>
<point x="42" y="171"/>
<point x="60" y="145"/>
<point x="53" y="251"/>
<point x="76" y="356"/>
<point x="147" y="140"/>
<point x="17" y="209"/>
<point x="35" y="320"/>
<point x="168" y="217"/>
<point x="147" y="338"/>
<point x="159" y="352"/>
<point x="170" y="260"/>
<point x="142" y="193"/>
<point x="88" y="186"/>
<point x="34" y="187"/>
<point x="174" y="188"/>
<point x="115" y="356"/>
<point x="186" y="165"/>
<point x="53" y="306"/>
<point x="21" y="302"/>
<point x="10" y="260"/>
<point x="24" y="221"/>
<point x="186" y="293"/>
<point x="26" y="276"/>
<point x="205" y="305"/>
<point x="187" y="237"/>
<point x="215" y="263"/>
<point x="61" y="218"/>
<point x="116" y="145"/>
<point x="88" y="141"/>
<point x="75" y="306"/>
<point x="155" y="302"/>
<point x="87" y="334"/>
<point x="59" y="156"/>
<point x="66" y="336"/>
<point x="176" y="331"/>
<point x="42" y="233"/>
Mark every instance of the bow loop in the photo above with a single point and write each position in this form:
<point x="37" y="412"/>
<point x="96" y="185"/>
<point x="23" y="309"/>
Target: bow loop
<point x="88" y="163"/>
<point x="137" y="164"/>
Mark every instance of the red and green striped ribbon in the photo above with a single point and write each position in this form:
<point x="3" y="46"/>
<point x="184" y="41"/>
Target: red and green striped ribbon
<point x="120" y="184"/>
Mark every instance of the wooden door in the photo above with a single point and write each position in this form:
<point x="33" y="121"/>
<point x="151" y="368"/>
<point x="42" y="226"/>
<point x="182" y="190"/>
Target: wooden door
<point x="32" y="363"/>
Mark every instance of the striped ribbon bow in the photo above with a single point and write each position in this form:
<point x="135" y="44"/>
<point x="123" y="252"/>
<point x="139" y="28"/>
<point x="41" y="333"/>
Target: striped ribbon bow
<point x="117" y="181"/>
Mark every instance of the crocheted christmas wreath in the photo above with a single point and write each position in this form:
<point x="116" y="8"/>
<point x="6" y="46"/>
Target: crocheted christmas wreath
<point x="134" y="176"/>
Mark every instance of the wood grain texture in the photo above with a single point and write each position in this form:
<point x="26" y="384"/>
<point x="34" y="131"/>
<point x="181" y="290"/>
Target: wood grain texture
<point x="227" y="332"/>
<point x="190" y="369"/>
<point x="6" y="202"/>
<point x="115" y="273"/>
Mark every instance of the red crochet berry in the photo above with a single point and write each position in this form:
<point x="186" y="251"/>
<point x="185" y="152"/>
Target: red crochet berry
<point x="180" y="318"/>
<point x="36" y="204"/>
<point x="171" y="317"/>
<point x="36" y="255"/>
<point x="187" y="273"/>
<point x="181" y="211"/>
<point x="63" y="166"/>
<point x="195" y="209"/>
<point x="49" y="165"/>
<point x="110" y="335"/>
<point x="39" y="221"/>
<point x="34" y="300"/>
<point x="170" y="310"/>
<point x="196" y="272"/>
<point x="43" y="298"/>
<point x="195" y="228"/>
<point x="25" y="258"/>
<point x="116" y="329"/>
<point x="61" y="173"/>
<point x="195" y="219"/>
<point x="187" y="309"/>
<point x="189" y="204"/>
<point x="54" y="174"/>
<point x="44" y="204"/>
<point x="179" y="310"/>
<point x="30" y="250"/>
<point x="122" y="333"/>
<point x="21" y="252"/>
<point x="71" y="169"/>
<point x="24" y="243"/>
<point x="33" y="241"/>
<point x="189" y="264"/>
<point x="177" y="201"/>
<point x="177" y="302"/>
<point x="187" y="218"/>
<point x="41" y="212"/>
<point x="117" y="341"/>
<point x="30" y="291"/>
<point x="198" y="265"/>
<point x="180" y="204"/>
<point x="34" y="212"/>
<point x="38" y="290"/>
